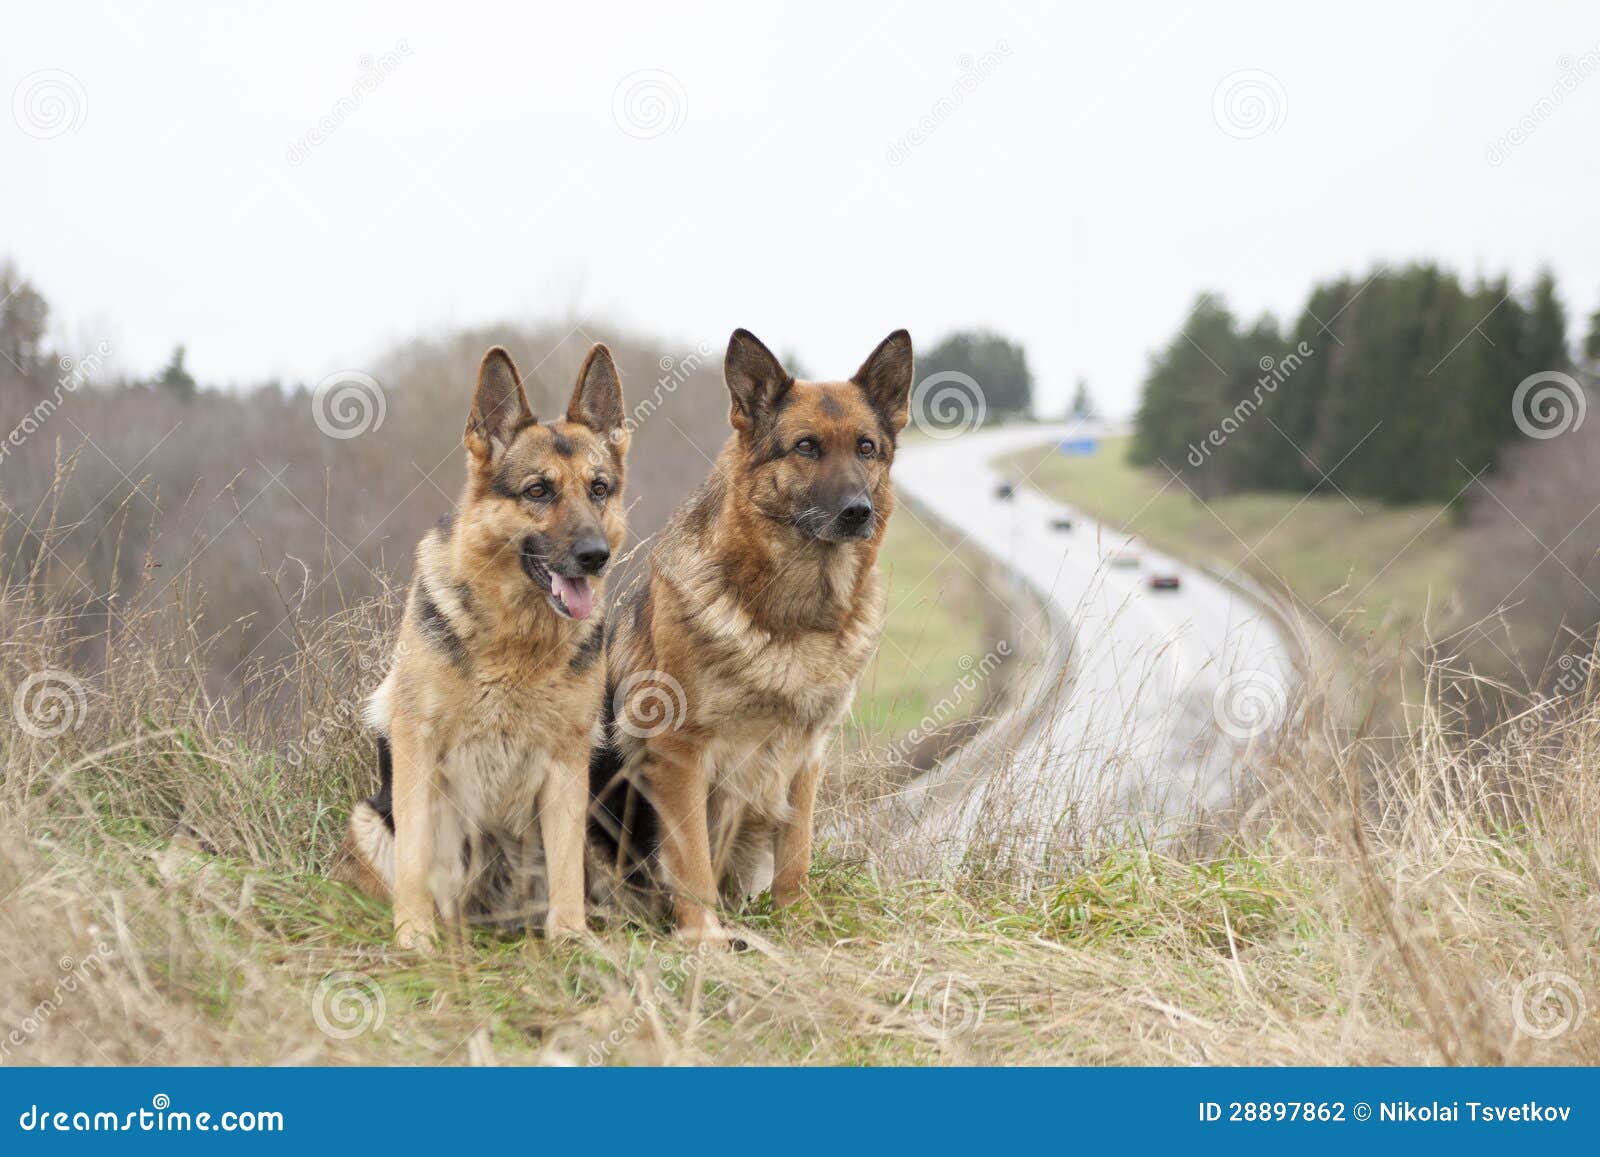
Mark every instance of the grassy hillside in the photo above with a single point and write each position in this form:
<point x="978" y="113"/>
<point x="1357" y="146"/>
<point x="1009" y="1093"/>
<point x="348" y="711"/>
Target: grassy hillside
<point x="163" y="892"/>
<point x="1373" y="570"/>
<point x="939" y="614"/>
<point x="162" y="900"/>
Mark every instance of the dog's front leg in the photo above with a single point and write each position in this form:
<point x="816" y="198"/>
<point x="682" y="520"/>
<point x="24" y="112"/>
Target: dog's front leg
<point x="678" y="780"/>
<point x="563" y="806"/>
<point x="414" y="790"/>
<point x="793" y="859"/>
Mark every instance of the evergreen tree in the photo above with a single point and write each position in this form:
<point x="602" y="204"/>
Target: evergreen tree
<point x="1254" y="377"/>
<point x="1082" y="404"/>
<point x="175" y="377"/>
<point x="1545" y="347"/>
<point x="1399" y="387"/>
<point x="997" y="364"/>
<point x="1591" y="343"/>
<point x="24" y="316"/>
<point x="1180" y="417"/>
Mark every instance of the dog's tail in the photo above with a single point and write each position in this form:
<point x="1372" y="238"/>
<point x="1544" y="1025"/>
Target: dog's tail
<point x="366" y="858"/>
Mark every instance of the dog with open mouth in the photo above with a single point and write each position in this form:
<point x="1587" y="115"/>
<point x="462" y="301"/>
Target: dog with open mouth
<point x="488" y="711"/>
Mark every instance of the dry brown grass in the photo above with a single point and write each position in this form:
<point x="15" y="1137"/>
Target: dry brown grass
<point x="1379" y="901"/>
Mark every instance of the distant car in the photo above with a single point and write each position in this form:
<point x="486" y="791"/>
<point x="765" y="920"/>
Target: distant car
<point x="1061" y="524"/>
<point x="1124" y="559"/>
<point x="1164" y="582"/>
<point x="1004" y="491"/>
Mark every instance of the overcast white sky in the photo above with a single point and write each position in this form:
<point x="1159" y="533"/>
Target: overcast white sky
<point x="1076" y="197"/>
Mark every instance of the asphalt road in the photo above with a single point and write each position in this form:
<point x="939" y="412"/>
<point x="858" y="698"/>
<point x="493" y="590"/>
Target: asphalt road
<point x="1138" y="705"/>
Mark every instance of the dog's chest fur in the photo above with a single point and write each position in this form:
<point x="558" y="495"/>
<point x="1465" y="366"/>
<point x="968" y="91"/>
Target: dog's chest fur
<point x="769" y="697"/>
<point x="518" y="712"/>
<point x="753" y="770"/>
<point x="498" y="710"/>
<point x="493" y="767"/>
<point x="754" y="676"/>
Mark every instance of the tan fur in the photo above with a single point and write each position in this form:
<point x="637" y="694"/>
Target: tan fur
<point x="764" y="622"/>
<point x="491" y="703"/>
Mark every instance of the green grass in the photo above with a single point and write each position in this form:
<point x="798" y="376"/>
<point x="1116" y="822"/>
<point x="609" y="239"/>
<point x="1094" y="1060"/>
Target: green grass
<point x="936" y="615"/>
<point x="853" y="982"/>
<point x="1264" y="953"/>
<point x="1376" y="570"/>
<point x="185" y="855"/>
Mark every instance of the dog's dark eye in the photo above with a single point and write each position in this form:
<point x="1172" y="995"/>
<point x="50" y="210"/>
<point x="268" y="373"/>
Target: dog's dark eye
<point x="599" y="488"/>
<point x="807" y="446"/>
<point x="865" y="447"/>
<point x="536" y="490"/>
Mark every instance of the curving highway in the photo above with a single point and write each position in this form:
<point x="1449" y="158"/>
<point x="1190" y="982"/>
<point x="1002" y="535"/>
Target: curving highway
<point x="1137" y="706"/>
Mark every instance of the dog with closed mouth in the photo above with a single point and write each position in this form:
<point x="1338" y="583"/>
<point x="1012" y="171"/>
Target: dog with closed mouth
<point x="487" y="715"/>
<point x="730" y="664"/>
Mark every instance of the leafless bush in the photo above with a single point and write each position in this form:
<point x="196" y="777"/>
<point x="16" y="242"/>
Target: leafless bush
<point x="1532" y="553"/>
<point x="242" y="509"/>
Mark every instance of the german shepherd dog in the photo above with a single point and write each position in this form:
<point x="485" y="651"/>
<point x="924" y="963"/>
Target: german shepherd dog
<point x="488" y="712"/>
<point x="728" y="668"/>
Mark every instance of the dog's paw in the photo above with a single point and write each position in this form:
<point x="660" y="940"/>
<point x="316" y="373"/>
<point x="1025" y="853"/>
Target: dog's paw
<point x="709" y="935"/>
<point x="790" y="897"/>
<point x="565" y="927"/>
<point x="413" y="937"/>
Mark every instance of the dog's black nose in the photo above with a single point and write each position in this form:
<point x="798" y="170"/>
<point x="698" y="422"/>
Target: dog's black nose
<point x="855" y="515"/>
<point x="592" y="554"/>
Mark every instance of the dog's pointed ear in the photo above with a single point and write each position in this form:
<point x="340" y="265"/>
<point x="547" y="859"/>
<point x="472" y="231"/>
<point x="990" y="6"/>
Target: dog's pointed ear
<point x="885" y="377"/>
<point x="597" y="398"/>
<point x="756" y="380"/>
<point x="499" y="407"/>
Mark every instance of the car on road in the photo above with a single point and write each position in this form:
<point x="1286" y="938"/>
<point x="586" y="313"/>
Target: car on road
<point x="1164" y="582"/>
<point x="1061" y="524"/>
<point x="1124" y="559"/>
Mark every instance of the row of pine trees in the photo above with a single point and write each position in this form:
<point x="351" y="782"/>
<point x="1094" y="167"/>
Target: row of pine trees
<point x="1398" y="386"/>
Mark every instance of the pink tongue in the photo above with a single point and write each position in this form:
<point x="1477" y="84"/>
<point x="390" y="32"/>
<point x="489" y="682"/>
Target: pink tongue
<point x="575" y="594"/>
